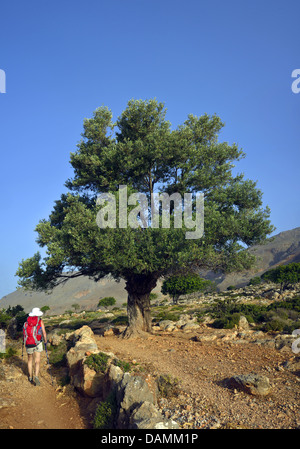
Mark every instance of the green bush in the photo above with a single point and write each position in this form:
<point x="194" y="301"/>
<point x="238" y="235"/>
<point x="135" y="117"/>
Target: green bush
<point x="9" y="352"/>
<point x="4" y="319"/>
<point x="288" y="304"/>
<point x="153" y="296"/>
<point x="106" y="413"/>
<point x="44" y="309"/>
<point x="97" y="362"/>
<point x="227" y="313"/>
<point x="57" y="354"/>
<point x="13" y="311"/>
<point x="166" y="315"/>
<point x="184" y="284"/>
<point x="107" y="301"/>
<point x="255" y="281"/>
<point x="228" y="322"/>
<point x="21" y="318"/>
<point x="274" y="325"/>
<point x="285" y="275"/>
<point x="121" y="320"/>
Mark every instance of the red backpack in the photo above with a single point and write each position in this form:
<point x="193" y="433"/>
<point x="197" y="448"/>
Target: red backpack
<point x="32" y="331"/>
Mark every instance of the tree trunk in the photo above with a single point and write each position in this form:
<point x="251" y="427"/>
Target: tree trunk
<point x="139" y="288"/>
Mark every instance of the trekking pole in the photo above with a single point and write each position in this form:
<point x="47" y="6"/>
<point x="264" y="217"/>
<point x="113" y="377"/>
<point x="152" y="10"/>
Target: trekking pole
<point x="23" y="344"/>
<point x="45" y="346"/>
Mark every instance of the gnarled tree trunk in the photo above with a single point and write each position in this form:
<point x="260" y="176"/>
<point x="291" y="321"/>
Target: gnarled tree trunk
<point x="139" y="287"/>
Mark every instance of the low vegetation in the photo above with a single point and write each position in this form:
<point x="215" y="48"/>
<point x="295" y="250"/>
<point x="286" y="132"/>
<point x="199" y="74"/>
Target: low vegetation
<point x="97" y="362"/>
<point x="278" y="316"/>
<point x="106" y="413"/>
<point x="57" y="354"/>
<point x="168" y="386"/>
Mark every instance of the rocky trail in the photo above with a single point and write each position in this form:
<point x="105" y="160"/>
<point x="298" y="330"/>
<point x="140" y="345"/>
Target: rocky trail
<point x="202" y="368"/>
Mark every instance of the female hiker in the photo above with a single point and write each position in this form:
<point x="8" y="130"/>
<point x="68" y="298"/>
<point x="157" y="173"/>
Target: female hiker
<point x="33" y="333"/>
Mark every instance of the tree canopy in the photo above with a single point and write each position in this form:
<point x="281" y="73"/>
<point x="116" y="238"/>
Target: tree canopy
<point x="183" y="284"/>
<point x="285" y="275"/>
<point x="142" y="151"/>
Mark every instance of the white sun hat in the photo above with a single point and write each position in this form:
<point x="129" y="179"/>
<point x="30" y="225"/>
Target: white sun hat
<point x="36" y="312"/>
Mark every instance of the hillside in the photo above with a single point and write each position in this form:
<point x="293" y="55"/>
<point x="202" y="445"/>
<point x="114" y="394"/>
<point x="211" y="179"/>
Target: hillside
<point x="81" y="290"/>
<point x="282" y="249"/>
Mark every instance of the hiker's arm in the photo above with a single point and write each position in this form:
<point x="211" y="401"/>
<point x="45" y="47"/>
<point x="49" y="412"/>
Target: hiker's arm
<point x="44" y="332"/>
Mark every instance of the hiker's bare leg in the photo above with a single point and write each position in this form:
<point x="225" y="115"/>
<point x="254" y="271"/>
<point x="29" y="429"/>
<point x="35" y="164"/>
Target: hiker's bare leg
<point x="37" y="359"/>
<point x="29" y="364"/>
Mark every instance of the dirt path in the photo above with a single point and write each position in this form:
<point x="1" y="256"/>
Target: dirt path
<point x="25" y="406"/>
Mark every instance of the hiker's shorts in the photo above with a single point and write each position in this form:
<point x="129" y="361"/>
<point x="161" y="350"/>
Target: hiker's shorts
<point x="38" y="348"/>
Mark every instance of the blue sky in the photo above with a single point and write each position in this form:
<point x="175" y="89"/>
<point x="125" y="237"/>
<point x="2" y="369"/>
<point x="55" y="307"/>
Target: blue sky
<point x="63" y="59"/>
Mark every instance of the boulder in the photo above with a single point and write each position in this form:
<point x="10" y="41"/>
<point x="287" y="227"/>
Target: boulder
<point x="131" y="393"/>
<point x="114" y="375"/>
<point x="284" y="341"/>
<point x="54" y="339"/>
<point x="254" y="384"/>
<point x="190" y="326"/>
<point x="147" y="416"/>
<point x="88" y="382"/>
<point x="167" y="325"/>
<point x="243" y="323"/>
<point x="84" y="343"/>
<point x="205" y="338"/>
<point x="292" y="364"/>
<point x="135" y="391"/>
<point x="77" y="353"/>
<point x="184" y="319"/>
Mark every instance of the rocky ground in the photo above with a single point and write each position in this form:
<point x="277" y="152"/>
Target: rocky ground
<point x="203" y="369"/>
<point x="199" y="360"/>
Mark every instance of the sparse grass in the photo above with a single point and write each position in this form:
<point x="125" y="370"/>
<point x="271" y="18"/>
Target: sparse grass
<point x="9" y="352"/>
<point x="125" y="366"/>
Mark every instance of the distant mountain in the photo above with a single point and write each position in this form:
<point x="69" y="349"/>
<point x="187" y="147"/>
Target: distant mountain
<point x="81" y="290"/>
<point x="281" y="249"/>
